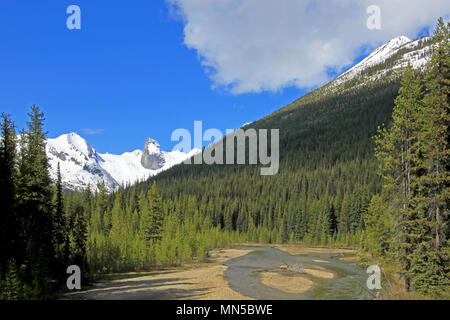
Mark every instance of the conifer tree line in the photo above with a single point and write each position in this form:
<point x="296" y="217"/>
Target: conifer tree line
<point x="138" y="230"/>
<point x="409" y="221"/>
<point x="37" y="241"/>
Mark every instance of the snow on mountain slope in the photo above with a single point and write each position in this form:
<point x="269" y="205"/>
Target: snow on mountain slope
<point x="82" y="166"/>
<point x="127" y="168"/>
<point x="416" y="52"/>
<point x="384" y="65"/>
<point x="377" y="56"/>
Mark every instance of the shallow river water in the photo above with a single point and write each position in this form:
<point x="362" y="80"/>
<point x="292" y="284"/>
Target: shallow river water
<point x="349" y="282"/>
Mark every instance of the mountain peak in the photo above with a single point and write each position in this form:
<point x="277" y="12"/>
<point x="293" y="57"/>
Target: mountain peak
<point x="72" y="136"/>
<point x="152" y="147"/>
<point x="69" y="136"/>
<point x="73" y="141"/>
<point x="387" y="48"/>
<point x="400" y="40"/>
<point x="152" y="158"/>
<point x="416" y="53"/>
<point x="81" y="166"/>
<point x="76" y="139"/>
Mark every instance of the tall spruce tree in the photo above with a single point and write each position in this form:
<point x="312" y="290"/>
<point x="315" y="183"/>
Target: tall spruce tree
<point x="397" y="149"/>
<point x="152" y="223"/>
<point x="35" y="203"/>
<point x="9" y="220"/>
<point x="432" y="258"/>
<point x="60" y="228"/>
<point x="78" y="205"/>
<point x="437" y="132"/>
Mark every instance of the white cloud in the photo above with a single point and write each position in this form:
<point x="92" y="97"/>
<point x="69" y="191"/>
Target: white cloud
<point x="259" y="45"/>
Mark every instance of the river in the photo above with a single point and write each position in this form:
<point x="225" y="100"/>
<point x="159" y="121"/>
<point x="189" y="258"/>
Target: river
<point x="349" y="283"/>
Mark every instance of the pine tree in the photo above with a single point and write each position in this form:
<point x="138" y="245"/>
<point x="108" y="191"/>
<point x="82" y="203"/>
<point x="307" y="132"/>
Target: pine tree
<point x="431" y="260"/>
<point x="60" y="230"/>
<point x="333" y="220"/>
<point x="99" y="215"/>
<point x="9" y="220"/>
<point x="378" y="227"/>
<point x="35" y="200"/>
<point x="152" y="223"/>
<point x="437" y="132"/>
<point x="397" y="149"/>
<point x="344" y="218"/>
<point x="77" y="207"/>
<point x="11" y="288"/>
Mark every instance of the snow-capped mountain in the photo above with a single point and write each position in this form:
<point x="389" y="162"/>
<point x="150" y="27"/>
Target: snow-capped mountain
<point x="387" y="59"/>
<point x="384" y="65"/>
<point x="82" y="166"/>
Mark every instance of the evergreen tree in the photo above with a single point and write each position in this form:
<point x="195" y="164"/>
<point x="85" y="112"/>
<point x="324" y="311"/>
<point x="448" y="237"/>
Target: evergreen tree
<point x="344" y="219"/>
<point x="398" y="151"/>
<point x="152" y="222"/>
<point x="60" y="230"/>
<point x="437" y="132"/>
<point x="35" y="202"/>
<point x="99" y="218"/>
<point x="379" y="228"/>
<point x="11" y="287"/>
<point x="77" y="207"/>
<point x="432" y="256"/>
<point x="9" y="220"/>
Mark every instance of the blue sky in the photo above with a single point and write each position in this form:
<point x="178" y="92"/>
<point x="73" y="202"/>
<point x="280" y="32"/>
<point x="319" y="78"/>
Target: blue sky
<point x="125" y="76"/>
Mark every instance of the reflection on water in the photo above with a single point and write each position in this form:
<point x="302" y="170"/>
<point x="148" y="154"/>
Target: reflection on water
<point x="349" y="282"/>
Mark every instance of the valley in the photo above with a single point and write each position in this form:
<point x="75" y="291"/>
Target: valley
<point x="363" y="163"/>
<point x="242" y="273"/>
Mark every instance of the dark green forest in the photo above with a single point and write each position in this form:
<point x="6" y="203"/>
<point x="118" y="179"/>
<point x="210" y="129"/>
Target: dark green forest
<point x="365" y="168"/>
